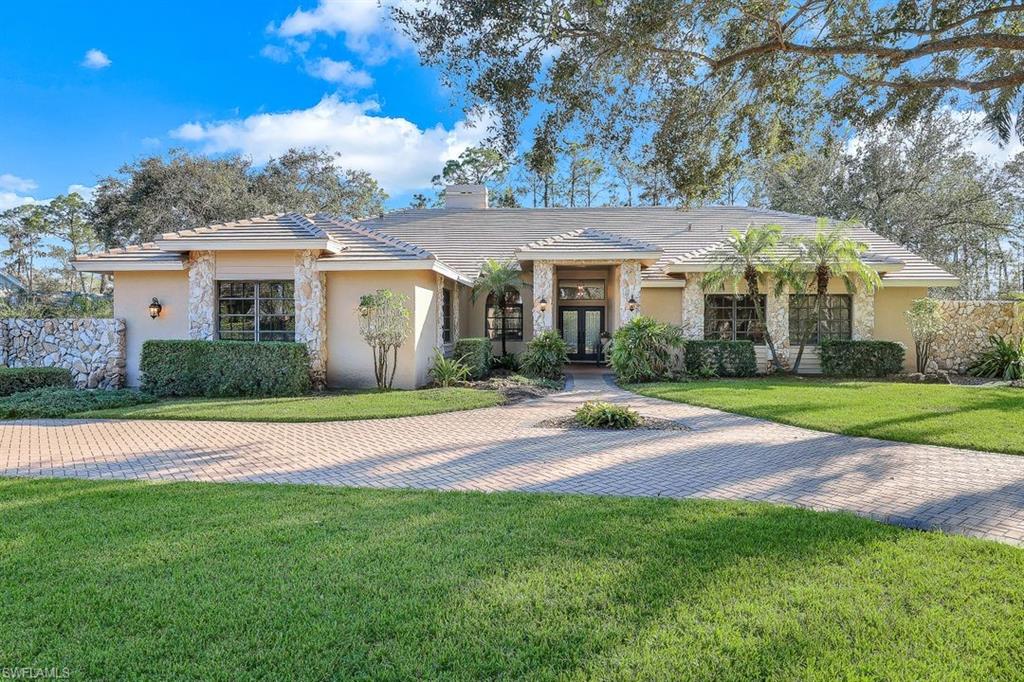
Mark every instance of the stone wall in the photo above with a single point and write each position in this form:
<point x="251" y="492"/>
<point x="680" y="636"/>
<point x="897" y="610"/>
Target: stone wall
<point x="693" y="307"/>
<point x="543" y="288"/>
<point x="629" y="289"/>
<point x="202" y="295"/>
<point x="311" y="314"/>
<point x="968" y="325"/>
<point x="92" y="348"/>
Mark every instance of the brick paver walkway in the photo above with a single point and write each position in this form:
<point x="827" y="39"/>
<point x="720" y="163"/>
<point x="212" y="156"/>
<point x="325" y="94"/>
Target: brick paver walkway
<point x="724" y="456"/>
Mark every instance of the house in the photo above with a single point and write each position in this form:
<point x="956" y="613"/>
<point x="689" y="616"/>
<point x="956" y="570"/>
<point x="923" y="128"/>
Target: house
<point x="585" y="271"/>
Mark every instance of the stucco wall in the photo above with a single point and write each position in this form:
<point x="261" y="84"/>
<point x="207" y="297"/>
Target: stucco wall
<point x="133" y="292"/>
<point x="255" y="264"/>
<point x="349" y="360"/>
<point x="891" y="304"/>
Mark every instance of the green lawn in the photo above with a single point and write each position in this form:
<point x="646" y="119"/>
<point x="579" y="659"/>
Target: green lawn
<point x="938" y="414"/>
<point x="331" y="407"/>
<point x="120" y="580"/>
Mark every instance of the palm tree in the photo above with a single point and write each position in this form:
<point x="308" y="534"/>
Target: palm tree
<point x="752" y="254"/>
<point x="830" y="253"/>
<point x="500" y="278"/>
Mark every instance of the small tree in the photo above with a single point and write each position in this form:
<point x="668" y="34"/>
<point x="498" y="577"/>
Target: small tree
<point x="925" y="321"/>
<point x="384" y="324"/>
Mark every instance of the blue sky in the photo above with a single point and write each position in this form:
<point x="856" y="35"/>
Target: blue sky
<point x="86" y="87"/>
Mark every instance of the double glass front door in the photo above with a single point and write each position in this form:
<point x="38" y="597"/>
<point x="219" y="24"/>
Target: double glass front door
<point x="581" y="328"/>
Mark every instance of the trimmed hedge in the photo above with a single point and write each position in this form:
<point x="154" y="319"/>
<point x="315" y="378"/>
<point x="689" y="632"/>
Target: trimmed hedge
<point x="55" y="403"/>
<point x="18" y="379"/>
<point x="224" y="369"/>
<point x="862" y="358"/>
<point x="727" y="358"/>
<point x="474" y="352"/>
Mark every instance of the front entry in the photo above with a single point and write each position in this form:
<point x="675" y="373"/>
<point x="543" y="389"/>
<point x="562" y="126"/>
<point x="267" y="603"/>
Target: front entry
<point x="581" y="328"/>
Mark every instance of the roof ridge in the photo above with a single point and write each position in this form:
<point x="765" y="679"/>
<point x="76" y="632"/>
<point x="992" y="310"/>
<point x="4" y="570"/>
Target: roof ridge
<point x="610" y="237"/>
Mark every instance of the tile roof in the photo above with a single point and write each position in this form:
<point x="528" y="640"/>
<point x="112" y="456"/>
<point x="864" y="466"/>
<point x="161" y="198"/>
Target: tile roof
<point x="274" y="227"/>
<point x="589" y="239"/>
<point x="463" y="238"/>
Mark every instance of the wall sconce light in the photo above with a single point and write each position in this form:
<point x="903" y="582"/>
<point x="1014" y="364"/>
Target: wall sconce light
<point x="155" y="308"/>
<point x="543" y="304"/>
<point x="633" y="305"/>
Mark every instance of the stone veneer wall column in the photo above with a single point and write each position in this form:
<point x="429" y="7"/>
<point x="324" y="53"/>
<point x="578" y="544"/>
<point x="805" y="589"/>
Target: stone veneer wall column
<point x="438" y="311"/>
<point x="202" y="298"/>
<point x="455" y="312"/>
<point x="311" y="314"/>
<point x="777" y="321"/>
<point x="629" y="288"/>
<point x="863" y="315"/>
<point x="543" y="287"/>
<point x="693" y="307"/>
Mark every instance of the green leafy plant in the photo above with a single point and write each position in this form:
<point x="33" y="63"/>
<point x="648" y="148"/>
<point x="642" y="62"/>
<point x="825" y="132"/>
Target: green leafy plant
<point x="925" y="321"/>
<point x="507" y="363"/>
<point x="601" y="415"/>
<point x="1003" y="359"/>
<point x="500" y="278"/>
<point x="17" y="379"/>
<point x="545" y="355"/>
<point x="384" y="324"/>
<point x="642" y="348"/>
<point x="448" y="371"/>
<point x="725" y="358"/>
<point x="224" y="369"/>
<point x="55" y="403"/>
<point x="475" y="352"/>
<point x="861" y="358"/>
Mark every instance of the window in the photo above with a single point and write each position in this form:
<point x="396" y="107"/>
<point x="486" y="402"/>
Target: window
<point x="581" y="290"/>
<point x="446" y="315"/>
<point x="835" y="322"/>
<point x="513" y="319"/>
<point x="732" y="318"/>
<point x="256" y="311"/>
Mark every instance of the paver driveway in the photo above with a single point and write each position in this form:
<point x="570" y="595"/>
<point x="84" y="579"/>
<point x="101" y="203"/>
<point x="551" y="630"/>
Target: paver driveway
<point x="723" y="456"/>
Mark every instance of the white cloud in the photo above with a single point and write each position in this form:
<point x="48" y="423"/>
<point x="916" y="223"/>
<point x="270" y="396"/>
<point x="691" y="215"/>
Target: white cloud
<point x="96" y="59"/>
<point x="276" y="53"/>
<point x="85" y="191"/>
<point x="15" y="184"/>
<point x="398" y="153"/>
<point x="13" y="200"/>
<point x="150" y="142"/>
<point x="366" y="25"/>
<point x="339" y="72"/>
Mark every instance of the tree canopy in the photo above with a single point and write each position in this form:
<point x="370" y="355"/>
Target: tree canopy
<point x="183" y="191"/>
<point x="708" y="83"/>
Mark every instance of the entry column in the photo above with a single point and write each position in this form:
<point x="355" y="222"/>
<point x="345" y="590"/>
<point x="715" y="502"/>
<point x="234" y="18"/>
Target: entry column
<point x="543" y="296"/>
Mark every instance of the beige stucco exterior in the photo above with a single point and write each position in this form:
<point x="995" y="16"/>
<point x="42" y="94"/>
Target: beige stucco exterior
<point x="891" y="305"/>
<point x="133" y="292"/>
<point x="664" y="304"/>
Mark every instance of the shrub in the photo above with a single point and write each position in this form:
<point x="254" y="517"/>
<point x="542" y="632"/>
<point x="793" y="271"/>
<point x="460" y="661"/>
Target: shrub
<point x="507" y="363"/>
<point x="642" y="349"/>
<point x="1001" y="360"/>
<point x="720" y="358"/>
<point x="601" y="415"/>
<point x="448" y="371"/>
<point x="18" y="379"/>
<point x="475" y="352"/>
<point x="384" y="324"/>
<point x="221" y="369"/>
<point x="55" y="403"/>
<point x="925" y="321"/>
<point x="861" y="358"/>
<point x="545" y="355"/>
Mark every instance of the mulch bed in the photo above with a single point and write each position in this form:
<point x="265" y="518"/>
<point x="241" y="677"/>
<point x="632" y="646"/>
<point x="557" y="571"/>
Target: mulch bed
<point x="648" y="424"/>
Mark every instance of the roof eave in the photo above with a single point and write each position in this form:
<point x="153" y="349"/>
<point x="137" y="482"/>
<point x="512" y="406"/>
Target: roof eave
<point x="104" y="265"/>
<point x="372" y="264"/>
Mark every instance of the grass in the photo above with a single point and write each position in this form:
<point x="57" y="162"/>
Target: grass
<point x="936" y="414"/>
<point x="120" y="580"/>
<point x="339" y="406"/>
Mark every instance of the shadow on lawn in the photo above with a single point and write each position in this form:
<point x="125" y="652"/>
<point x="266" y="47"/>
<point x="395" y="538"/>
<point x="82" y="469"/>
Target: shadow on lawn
<point x="316" y="582"/>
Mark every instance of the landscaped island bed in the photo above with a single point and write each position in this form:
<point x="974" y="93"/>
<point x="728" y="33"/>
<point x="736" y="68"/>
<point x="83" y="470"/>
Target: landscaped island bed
<point x="990" y="419"/>
<point x="340" y="406"/>
<point x="122" y="580"/>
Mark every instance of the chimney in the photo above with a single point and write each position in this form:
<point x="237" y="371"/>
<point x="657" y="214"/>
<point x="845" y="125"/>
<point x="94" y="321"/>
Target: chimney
<point x="465" y="196"/>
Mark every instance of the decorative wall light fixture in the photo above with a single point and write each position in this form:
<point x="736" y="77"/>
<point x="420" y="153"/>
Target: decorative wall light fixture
<point x="155" y="308"/>
<point x="543" y="304"/>
<point x="633" y="305"/>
